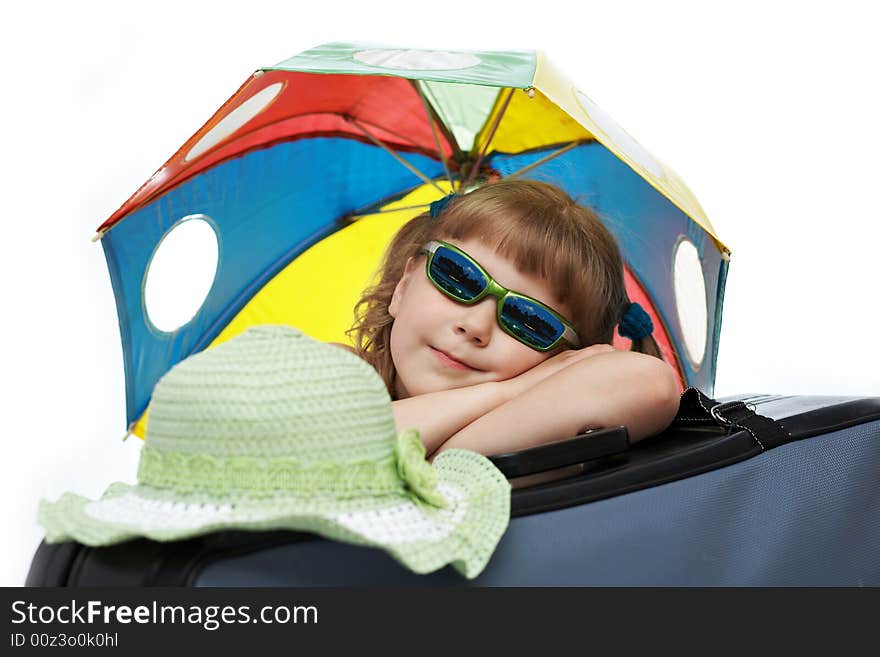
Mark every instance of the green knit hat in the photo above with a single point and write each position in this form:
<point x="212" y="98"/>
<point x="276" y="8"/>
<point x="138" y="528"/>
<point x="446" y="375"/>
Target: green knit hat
<point x="275" y="430"/>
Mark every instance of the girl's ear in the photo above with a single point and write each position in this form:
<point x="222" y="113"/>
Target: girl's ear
<point x="400" y="288"/>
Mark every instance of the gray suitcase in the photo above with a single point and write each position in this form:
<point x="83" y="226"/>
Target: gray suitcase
<point x="749" y="490"/>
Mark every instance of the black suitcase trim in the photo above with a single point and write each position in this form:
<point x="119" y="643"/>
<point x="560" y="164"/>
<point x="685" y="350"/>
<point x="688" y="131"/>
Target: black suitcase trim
<point x="698" y="441"/>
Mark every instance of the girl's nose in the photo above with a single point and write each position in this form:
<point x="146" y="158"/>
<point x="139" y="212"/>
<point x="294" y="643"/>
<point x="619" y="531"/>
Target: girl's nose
<point x="477" y="322"/>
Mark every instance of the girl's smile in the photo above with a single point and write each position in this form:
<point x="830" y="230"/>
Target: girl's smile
<point x="450" y="361"/>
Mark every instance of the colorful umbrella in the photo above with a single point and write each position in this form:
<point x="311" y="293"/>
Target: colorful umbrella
<point x="302" y="177"/>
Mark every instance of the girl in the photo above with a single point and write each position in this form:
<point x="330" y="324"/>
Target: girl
<point x="492" y="320"/>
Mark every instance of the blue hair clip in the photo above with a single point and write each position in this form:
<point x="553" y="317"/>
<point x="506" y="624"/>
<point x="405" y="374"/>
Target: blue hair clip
<point x="438" y="205"/>
<point x="635" y="323"/>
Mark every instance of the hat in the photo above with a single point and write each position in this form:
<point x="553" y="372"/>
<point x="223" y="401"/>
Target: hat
<point x="275" y="430"/>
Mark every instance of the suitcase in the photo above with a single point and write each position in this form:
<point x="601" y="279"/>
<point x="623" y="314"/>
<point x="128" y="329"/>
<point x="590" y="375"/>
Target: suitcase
<point x="752" y="490"/>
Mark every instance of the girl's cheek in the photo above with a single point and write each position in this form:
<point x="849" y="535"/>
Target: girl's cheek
<point x="515" y="365"/>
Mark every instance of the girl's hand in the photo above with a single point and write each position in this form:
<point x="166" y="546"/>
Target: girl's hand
<point x="528" y="379"/>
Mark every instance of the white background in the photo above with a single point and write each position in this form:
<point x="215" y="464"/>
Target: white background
<point x="769" y="112"/>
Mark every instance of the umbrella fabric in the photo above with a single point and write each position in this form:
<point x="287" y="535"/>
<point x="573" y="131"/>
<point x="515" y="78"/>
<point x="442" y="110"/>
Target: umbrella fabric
<point x="306" y="172"/>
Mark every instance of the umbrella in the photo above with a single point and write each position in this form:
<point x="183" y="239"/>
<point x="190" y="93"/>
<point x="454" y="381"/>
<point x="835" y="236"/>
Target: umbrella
<point x="294" y="187"/>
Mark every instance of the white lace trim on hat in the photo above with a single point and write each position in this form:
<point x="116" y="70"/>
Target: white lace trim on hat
<point x="402" y="523"/>
<point x="133" y="510"/>
<point x="406" y="522"/>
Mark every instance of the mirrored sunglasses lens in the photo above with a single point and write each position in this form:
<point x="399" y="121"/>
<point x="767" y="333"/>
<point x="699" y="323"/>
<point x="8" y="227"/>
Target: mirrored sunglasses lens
<point x="530" y="323"/>
<point x="457" y="275"/>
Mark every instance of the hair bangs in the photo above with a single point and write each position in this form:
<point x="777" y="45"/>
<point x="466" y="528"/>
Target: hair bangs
<point x="551" y="245"/>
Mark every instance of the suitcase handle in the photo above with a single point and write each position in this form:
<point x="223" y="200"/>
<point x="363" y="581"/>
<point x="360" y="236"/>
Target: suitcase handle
<point x="588" y="446"/>
<point x="695" y="408"/>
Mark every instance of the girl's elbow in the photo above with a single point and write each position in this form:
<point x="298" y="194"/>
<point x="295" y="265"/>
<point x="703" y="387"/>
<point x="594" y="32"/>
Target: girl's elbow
<point x="669" y="391"/>
<point x="663" y="397"/>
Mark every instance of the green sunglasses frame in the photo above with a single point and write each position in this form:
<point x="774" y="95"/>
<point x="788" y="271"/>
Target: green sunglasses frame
<point x="569" y="335"/>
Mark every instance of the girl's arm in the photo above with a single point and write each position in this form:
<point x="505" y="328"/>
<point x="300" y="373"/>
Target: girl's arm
<point x="440" y="415"/>
<point x="611" y="389"/>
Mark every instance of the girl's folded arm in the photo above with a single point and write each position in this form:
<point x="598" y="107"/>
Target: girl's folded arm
<point x="439" y="415"/>
<point x="611" y="389"/>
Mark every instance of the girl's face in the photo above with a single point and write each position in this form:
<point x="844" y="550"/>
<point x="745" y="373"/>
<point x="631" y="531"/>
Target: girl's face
<point x="439" y="344"/>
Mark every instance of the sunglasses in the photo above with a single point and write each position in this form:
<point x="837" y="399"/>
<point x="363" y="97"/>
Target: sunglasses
<point x="461" y="278"/>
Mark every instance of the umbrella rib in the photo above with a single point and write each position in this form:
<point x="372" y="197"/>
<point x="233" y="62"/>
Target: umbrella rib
<point x="495" y="124"/>
<point x="238" y="135"/>
<point x="433" y="130"/>
<point x="378" y="143"/>
<point x="543" y="160"/>
<point x="354" y="216"/>
<point x="516" y="173"/>
<point x="376" y="125"/>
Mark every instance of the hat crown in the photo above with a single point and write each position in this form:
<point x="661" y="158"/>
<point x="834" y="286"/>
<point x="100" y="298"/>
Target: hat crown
<point x="273" y="392"/>
<point x="274" y="430"/>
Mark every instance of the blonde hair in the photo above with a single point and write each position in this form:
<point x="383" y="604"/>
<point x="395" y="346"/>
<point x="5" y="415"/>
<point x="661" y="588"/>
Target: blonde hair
<point x="538" y="227"/>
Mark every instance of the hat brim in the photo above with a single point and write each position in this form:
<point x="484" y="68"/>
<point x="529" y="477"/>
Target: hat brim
<point x="421" y="537"/>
